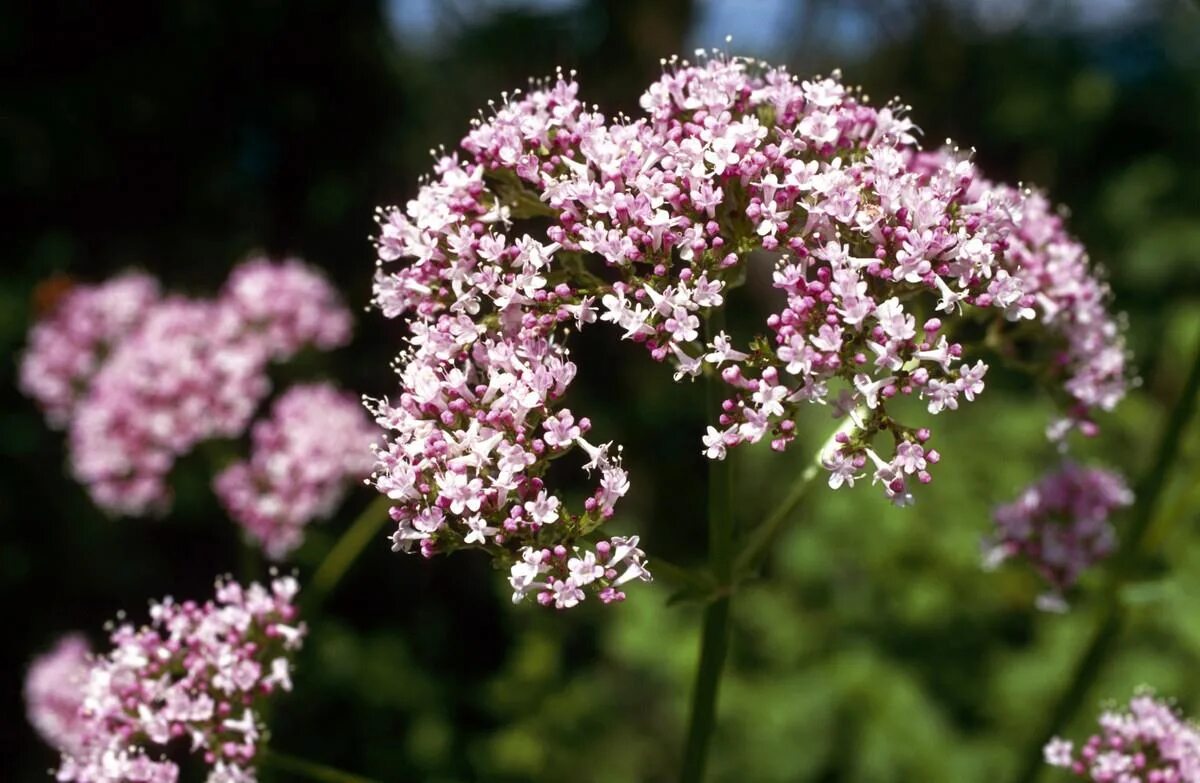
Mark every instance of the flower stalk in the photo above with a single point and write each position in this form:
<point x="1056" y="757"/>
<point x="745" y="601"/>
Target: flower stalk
<point x="347" y="549"/>
<point x="309" y="770"/>
<point x="760" y="539"/>
<point x="714" y="641"/>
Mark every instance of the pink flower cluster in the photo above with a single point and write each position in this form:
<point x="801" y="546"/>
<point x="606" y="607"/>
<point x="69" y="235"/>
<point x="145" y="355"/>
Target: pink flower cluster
<point x="1089" y="358"/>
<point x="1060" y="526"/>
<point x="486" y="415"/>
<point x="152" y="377"/>
<point x="316" y="441"/>
<point x="193" y="679"/>
<point x="54" y="691"/>
<point x="68" y="347"/>
<point x="288" y="305"/>
<point x="1148" y="743"/>
<point x="188" y="373"/>
<point x="558" y="576"/>
<point x="882" y="255"/>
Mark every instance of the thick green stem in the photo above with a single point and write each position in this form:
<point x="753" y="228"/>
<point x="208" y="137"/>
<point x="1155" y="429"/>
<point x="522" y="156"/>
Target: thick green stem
<point x="310" y="770"/>
<point x="1135" y="546"/>
<point x="714" y="641"/>
<point x="347" y="549"/>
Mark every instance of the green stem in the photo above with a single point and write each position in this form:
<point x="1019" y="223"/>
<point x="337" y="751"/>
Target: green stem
<point x="761" y="537"/>
<point x="310" y="770"/>
<point x="691" y="583"/>
<point x="714" y="641"/>
<point x="1135" y="547"/>
<point x="1186" y="499"/>
<point x="1087" y="670"/>
<point x="347" y="549"/>
<point x="1150" y="488"/>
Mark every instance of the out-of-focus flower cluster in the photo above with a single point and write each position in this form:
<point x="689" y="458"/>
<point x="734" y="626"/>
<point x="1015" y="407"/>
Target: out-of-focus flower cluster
<point x="189" y="372"/>
<point x="67" y="348"/>
<point x="553" y="217"/>
<point x="1089" y="356"/>
<point x="315" y="442"/>
<point x="1147" y="743"/>
<point x="54" y="691"/>
<point x="1060" y="525"/>
<point x="287" y="305"/>
<point x="193" y="679"/>
<point x="139" y="378"/>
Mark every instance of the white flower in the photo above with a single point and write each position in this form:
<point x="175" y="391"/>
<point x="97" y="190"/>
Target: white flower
<point x="477" y="530"/>
<point x="714" y="443"/>
<point x="543" y="510"/>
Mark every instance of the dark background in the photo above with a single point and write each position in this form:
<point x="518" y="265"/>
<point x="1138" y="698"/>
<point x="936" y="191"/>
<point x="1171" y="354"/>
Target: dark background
<point x="180" y="136"/>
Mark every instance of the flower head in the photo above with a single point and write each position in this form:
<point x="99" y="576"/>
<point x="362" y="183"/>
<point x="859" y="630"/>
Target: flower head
<point x="1148" y="741"/>
<point x="54" y="691"/>
<point x="188" y="373"/>
<point x="316" y="442"/>
<point x="1059" y="525"/>
<point x="68" y="346"/>
<point x="289" y="304"/>
<point x="643" y="224"/>
<point x="197" y="672"/>
<point x="138" y="379"/>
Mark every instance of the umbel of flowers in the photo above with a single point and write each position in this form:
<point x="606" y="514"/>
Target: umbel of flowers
<point x="552" y="217"/>
<point x="1060" y="525"/>
<point x="1146" y="743"/>
<point x="314" y="444"/>
<point x="139" y="378"/>
<point x="192" y="681"/>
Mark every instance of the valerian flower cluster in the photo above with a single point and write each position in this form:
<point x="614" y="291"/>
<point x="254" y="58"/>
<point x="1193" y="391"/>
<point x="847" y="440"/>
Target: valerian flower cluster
<point x="552" y="217"/>
<point x="54" y="691"/>
<point x="139" y="378"/>
<point x="66" y="350"/>
<point x="194" y="679"/>
<point x="1060" y="525"/>
<point x="314" y="444"/>
<point x="1147" y="743"/>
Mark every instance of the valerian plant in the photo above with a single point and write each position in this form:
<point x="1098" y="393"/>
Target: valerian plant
<point x="899" y="274"/>
<point x="898" y="269"/>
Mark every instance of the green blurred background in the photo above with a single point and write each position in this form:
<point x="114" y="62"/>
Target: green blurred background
<point x="180" y="136"/>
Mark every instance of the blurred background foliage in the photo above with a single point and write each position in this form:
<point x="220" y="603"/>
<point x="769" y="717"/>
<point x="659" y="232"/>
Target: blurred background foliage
<point x="180" y="136"/>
